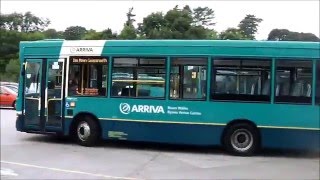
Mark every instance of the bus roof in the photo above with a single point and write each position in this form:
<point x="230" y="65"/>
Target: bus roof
<point x="172" y="47"/>
<point x="229" y="43"/>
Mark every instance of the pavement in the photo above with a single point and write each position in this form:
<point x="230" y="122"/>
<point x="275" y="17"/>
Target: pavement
<point x="34" y="156"/>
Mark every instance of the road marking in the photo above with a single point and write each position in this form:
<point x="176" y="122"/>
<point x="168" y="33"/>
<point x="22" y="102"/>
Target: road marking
<point x="68" y="171"/>
<point x="7" y="172"/>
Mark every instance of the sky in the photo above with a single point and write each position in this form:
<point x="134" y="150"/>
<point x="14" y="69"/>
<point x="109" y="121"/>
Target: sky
<point x="295" y="15"/>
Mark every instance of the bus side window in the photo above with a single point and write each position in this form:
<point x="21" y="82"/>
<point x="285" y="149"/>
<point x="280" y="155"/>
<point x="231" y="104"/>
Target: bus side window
<point x="188" y="78"/>
<point x="294" y="81"/>
<point x="138" y="77"/>
<point x="241" y="79"/>
<point x="318" y="82"/>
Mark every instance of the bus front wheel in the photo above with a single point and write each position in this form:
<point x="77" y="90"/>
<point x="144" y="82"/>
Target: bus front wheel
<point x="87" y="131"/>
<point x="241" y="139"/>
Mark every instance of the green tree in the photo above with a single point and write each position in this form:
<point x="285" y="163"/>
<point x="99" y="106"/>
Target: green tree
<point x="105" y="34"/>
<point x="153" y="26"/>
<point x="203" y="16"/>
<point x="9" y="43"/>
<point x="286" y="35"/>
<point x="12" y="22"/>
<point x="13" y="69"/>
<point x="108" y="34"/>
<point x="178" y="22"/>
<point x="130" y="16"/>
<point x="9" y="46"/>
<point x="278" y="34"/>
<point x="92" y="35"/>
<point x="53" y="34"/>
<point x="33" y="36"/>
<point x="306" y="37"/>
<point x="128" y="32"/>
<point x="16" y="27"/>
<point x="187" y="9"/>
<point x="212" y="34"/>
<point x="23" y="22"/>
<point x="197" y="32"/>
<point x="11" y="72"/>
<point x="33" y="23"/>
<point x="232" y="34"/>
<point x="249" y="25"/>
<point x="74" y="33"/>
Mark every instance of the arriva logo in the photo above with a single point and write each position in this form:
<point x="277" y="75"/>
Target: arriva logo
<point x="79" y="50"/>
<point x="126" y="109"/>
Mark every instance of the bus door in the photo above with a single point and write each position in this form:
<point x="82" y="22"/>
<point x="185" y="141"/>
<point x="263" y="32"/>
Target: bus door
<point x="43" y="95"/>
<point x="54" y="95"/>
<point x="34" y="95"/>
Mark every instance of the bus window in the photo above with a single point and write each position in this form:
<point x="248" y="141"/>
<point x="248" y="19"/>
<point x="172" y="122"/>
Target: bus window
<point x="318" y="83"/>
<point x="87" y="76"/>
<point x="244" y="80"/>
<point x="138" y="77"/>
<point x="32" y="82"/>
<point x="294" y="81"/>
<point x="188" y="78"/>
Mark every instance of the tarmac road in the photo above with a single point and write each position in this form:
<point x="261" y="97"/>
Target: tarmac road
<point x="31" y="156"/>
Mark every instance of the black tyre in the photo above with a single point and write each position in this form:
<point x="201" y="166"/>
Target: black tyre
<point x="87" y="131"/>
<point x="241" y="139"/>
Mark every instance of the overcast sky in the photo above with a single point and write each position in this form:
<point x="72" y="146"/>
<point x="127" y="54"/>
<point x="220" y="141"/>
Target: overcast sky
<point x="301" y="16"/>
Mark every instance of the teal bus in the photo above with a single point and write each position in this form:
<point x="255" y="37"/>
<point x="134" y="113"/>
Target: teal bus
<point x="241" y="95"/>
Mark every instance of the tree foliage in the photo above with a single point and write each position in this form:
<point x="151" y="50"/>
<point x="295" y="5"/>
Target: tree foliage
<point x="130" y="18"/>
<point x="203" y="16"/>
<point x="128" y="32"/>
<point x="74" y="32"/>
<point x="23" y="22"/>
<point x="176" y="23"/>
<point x="13" y="66"/>
<point x="53" y="34"/>
<point x="249" y="25"/>
<point x="179" y="24"/>
<point x="108" y="34"/>
<point x="92" y="35"/>
<point x="286" y="35"/>
<point x="153" y="26"/>
<point x="232" y="34"/>
<point x="11" y="71"/>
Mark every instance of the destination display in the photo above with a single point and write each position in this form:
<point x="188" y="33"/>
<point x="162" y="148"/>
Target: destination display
<point x="89" y="60"/>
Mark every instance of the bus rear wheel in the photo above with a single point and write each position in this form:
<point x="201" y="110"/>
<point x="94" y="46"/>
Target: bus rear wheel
<point x="87" y="131"/>
<point x="241" y="139"/>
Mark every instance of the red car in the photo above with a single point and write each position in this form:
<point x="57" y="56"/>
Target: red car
<point x="7" y="97"/>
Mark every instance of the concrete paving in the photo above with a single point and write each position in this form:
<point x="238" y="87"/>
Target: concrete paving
<point x="31" y="156"/>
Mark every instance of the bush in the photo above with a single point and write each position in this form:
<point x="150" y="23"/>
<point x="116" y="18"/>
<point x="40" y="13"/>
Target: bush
<point x="12" y="71"/>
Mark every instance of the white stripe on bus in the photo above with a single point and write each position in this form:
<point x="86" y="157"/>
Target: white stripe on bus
<point x="70" y="47"/>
